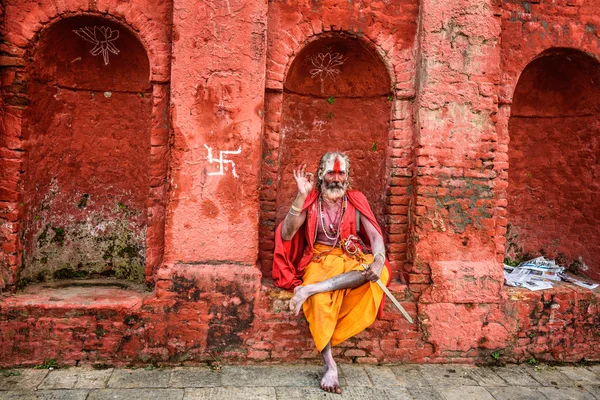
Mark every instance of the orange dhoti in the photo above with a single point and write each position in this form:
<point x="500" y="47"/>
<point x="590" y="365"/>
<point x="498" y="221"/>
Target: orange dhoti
<point x="339" y="315"/>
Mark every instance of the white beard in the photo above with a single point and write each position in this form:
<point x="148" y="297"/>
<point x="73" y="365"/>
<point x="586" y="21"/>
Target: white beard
<point x="334" y="193"/>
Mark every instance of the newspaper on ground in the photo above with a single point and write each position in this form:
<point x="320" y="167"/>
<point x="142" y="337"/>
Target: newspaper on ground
<point x="584" y="284"/>
<point x="537" y="274"/>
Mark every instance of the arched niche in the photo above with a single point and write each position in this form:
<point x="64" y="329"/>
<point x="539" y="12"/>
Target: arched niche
<point x="87" y="159"/>
<point x="336" y="98"/>
<point x="554" y="152"/>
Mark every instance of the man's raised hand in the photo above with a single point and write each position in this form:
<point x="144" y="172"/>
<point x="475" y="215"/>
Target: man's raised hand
<point x="305" y="180"/>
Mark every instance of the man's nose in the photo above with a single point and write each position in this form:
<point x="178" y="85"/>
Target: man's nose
<point x="337" y="177"/>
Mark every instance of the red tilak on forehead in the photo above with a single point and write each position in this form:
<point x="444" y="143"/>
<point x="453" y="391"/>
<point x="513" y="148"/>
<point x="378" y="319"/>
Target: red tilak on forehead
<point x="336" y="166"/>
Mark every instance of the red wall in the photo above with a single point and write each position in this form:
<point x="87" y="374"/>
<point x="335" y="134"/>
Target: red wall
<point x="86" y="177"/>
<point x="553" y="155"/>
<point x="348" y="111"/>
<point x="229" y="87"/>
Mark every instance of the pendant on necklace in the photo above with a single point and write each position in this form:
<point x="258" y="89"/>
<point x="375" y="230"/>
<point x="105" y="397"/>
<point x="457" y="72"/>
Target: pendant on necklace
<point x="333" y="230"/>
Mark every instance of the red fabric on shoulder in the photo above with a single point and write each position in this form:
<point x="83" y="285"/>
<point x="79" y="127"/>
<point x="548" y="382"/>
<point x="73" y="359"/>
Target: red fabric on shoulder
<point x="289" y="254"/>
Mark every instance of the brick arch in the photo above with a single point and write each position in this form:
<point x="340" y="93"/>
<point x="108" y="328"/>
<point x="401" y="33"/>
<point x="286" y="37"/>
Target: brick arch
<point x="392" y="205"/>
<point x="553" y="155"/>
<point x="278" y="64"/>
<point x="24" y="25"/>
<point x="510" y="80"/>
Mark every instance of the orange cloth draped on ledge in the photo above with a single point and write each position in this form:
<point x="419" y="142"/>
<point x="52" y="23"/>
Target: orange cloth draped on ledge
<point x="338" y="315"/>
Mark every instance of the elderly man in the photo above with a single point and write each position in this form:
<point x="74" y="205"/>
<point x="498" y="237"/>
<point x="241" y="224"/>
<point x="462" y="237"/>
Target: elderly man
<point x="338" y="296"/>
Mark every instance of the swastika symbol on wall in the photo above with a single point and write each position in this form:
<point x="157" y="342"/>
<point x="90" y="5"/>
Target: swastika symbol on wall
<point x="222" y="161"/>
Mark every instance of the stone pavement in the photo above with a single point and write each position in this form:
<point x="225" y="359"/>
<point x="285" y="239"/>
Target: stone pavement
<point x="443" y="382"/>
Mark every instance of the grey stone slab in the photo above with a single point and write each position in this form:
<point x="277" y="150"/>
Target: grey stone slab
<point x="485" y="376"/>
<point x="580" y="374"/>
<point x="515" y="375"/>
<point x="409" y="376"/>
<point x="60" y="379"/>
<point x="277" y="375"/>
<point x="354" y="393"/>
<point x="594" y="368"/>
<point x="353" y="375"/>
<point x="425" y="393"/>
<point x="136" y="394"/>
<point x="194" y="377"/>
<point x="465" y="393"/>
<point x="550" y="376"/>
<point x="516" y="393"/>
<point x="21" y="379"/>
<point x="93" y="379"/>
<point x="382" y="376"/>
<point x="221" y="393"/>
<point x="446" y="375"/>
<point x="45" y="395"/>
<point x="553" y="393"/>
<point x="139" y="378"/>
<point x="593" y="389"/>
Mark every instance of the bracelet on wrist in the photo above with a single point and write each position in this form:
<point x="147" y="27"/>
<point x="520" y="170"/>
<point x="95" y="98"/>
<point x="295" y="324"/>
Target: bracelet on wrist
<point x="294" y="213"/>
<point x="298" y="210"/>
<point x="379" y="254"/>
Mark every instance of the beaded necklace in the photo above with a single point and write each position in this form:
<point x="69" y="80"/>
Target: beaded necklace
<point x="335" y="233"/>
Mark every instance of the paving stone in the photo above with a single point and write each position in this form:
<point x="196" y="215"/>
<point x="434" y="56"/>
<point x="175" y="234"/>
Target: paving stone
<point x="136" y="394"/>
<point x="550" y="376"/>
<point x="355" y="392"/>
<point x="60" y="379"/>
<point x="593" y="389"/>
<point x="409" y="376"/>
<point x="515" y="375"/>
<point x="381" y="376"/>
<point x="516" y="393"/>
<point x="45" y="395"/>
<point x="553" y="393"/>
<point x="93" y="379"/>
<point x="424" y="393"/>
<point x="21" y="379"/>
<point x="194" y="377"/>
<point x="465" y="393"/>
<point x="484" y="376"/>
<point x="220" y="393"/>
<point x="446" y="375"/>
<point x="139" y="378"/>
<point x="353" y="375"/>
<point x="594" y="368"/>
<point x="278" y="375"/>
<point x="580" y="375"/>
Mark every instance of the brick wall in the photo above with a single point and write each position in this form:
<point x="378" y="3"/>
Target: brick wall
<point x="219" y="73"/>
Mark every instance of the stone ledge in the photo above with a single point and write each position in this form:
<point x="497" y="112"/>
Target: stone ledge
<point x="78" y="294"/>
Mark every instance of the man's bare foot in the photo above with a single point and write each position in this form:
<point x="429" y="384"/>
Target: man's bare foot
<point x="300" y="296"/>
<point x="330" y="382"/>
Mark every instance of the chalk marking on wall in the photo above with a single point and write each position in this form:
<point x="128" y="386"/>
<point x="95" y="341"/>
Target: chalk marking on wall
<point x="222" y="161"/>
<point x="318" y="126"/>
<point x="325" y="66"/>
<point x="102" y="37"/>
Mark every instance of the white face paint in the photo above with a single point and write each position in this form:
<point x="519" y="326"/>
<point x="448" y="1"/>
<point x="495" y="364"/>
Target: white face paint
<point x="334" y="177"/>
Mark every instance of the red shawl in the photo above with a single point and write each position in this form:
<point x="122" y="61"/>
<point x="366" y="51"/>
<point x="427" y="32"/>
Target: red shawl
<point x="292" y="256"/>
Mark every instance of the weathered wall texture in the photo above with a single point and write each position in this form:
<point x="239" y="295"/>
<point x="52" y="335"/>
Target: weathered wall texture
<point x="468" y="123"/>
<point x="87" y="155"/>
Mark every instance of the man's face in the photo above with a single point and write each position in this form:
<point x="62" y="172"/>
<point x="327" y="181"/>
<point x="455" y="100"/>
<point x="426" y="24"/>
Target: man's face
<point x="335" y="178"/>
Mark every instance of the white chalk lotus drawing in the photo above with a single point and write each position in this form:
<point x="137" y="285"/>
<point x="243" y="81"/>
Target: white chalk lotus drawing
<point x="326" y="66"/>
<point x="102" y="37"/>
